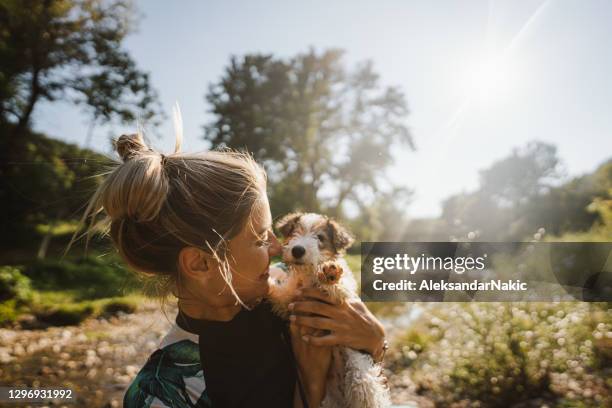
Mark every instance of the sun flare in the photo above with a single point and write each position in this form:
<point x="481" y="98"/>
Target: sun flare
<point x="488" y="79"/>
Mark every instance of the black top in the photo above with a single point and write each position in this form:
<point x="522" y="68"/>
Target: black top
<point x="247" y="361"/>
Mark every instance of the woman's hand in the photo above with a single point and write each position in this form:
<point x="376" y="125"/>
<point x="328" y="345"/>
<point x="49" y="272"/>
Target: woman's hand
<point x="348" y="324"/>
<point x="313" y="365"/>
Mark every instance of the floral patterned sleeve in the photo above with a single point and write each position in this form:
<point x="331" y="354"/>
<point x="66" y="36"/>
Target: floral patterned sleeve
<point x="171" y="377"/>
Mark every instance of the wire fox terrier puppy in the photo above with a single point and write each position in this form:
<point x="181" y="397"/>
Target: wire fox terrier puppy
<point x="312" y="251"/>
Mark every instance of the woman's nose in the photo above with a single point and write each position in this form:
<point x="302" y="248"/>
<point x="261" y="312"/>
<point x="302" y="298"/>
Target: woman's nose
<point x="275" y="246"/>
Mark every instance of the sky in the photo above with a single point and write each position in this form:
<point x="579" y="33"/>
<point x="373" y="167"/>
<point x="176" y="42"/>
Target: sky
<point x="480" y="77"/>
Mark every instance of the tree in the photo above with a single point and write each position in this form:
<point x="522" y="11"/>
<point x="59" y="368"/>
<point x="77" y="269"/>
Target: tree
<point x="324" y="133"/>
<point x="385" y="218"/>
<point x="523" y="175"/>
<point x="569" y="207"/>
<point x="69" y="50"/>
<point x="510" y="191"/>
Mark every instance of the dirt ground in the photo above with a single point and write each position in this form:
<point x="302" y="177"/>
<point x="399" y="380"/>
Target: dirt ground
<point x="98" y="358"/>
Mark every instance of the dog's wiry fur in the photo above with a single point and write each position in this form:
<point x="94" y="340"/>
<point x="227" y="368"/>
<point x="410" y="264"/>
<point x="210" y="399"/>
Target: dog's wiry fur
<point x="355" y="380"/>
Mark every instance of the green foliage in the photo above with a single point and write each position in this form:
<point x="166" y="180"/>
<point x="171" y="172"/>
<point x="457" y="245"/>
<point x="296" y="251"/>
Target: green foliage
<point x="70" y="50"/>
<point x="508" y="190"/>
<point x="600" y="232"/>
<point x="407" y="345"/>
<point x="60" y="50"/>
<point x="383" y="219"/>
<point x="92" y="277"/>
<point x="524" y="174"/>
<point x="65" y="307"/>
<point x="14" y="286"/>
<point x="47" y="184"/>
<point x="572" y="206"/>
<point x="57" y="229"/>
<point x="516" y="202"/>
<point x="354" y="262"/>
<point x="314" y="124"/>
<point x="500" y="354"/>
<point x="9" y="311"/>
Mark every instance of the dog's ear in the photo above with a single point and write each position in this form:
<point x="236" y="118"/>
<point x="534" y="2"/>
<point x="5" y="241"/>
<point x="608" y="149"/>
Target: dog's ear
<point x="286" y="224"/>
<point x="340" y="237"/>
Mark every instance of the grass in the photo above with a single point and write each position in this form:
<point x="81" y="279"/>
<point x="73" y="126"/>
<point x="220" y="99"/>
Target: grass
<point x="58" y="229"/>
<point x="61" y="308"/>
<point x="88" y="277"/>
<point x="65" y="292"/>
<point x="70" y="290"/>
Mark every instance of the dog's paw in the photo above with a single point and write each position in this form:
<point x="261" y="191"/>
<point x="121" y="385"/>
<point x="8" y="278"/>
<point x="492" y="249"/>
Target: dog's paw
<point x="329" y="273"/>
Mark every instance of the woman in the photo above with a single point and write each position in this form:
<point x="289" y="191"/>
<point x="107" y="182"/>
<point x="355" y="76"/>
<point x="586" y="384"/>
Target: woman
<point x="201" y="224"/>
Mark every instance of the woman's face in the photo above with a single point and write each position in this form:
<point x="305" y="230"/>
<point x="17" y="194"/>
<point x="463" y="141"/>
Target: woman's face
<point x="249" y="257"/>
<point x="250" y="253"/>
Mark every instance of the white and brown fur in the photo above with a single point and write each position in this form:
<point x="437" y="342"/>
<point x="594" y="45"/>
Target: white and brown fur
<point x="312" y="249"/>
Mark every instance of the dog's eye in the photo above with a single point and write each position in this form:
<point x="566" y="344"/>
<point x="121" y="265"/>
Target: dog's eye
<point x="321" y="237"/>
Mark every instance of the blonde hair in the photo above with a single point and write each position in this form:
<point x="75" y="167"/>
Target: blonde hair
<point x="156" y="205"/>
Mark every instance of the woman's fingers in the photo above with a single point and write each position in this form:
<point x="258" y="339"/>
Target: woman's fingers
<point x="312" y="293"/>
<point x="314" y="307"/>
<point x="351" y="323"/>
<point x="328" y="340"/>
<point x="314" y="322"/>
<point x="294" y="330"/>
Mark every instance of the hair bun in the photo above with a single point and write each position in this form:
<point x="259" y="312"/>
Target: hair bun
<point x="129" y="146"/>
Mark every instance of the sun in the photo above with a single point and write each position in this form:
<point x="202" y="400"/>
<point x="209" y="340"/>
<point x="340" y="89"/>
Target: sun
<point x="488" y="79"/>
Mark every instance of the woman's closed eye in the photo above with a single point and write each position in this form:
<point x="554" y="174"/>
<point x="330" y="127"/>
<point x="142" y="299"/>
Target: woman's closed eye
<point x="264" y="240"/>
<point x="262" y="243"/>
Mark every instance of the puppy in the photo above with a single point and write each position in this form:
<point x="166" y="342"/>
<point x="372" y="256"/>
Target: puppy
<point x="312" y="251"/>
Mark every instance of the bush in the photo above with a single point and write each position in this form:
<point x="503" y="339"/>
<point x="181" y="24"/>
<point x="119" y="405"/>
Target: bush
<point x="93" y="277"/>
<point x="9" y="311"/>
<point x="60" y="308"/>
<point x="14" y="286"/>
<point x="497" y="355"/>
<point x="409" y="344"/>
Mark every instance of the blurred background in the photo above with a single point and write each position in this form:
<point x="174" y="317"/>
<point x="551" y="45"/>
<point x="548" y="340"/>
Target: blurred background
<point x="407" y="120"/>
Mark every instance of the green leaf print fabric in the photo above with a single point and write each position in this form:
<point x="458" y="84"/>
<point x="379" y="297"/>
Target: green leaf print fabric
<point x="164" y="379"/>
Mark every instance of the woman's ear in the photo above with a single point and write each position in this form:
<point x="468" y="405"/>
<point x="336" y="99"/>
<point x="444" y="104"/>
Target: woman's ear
<point x="194" y="262"/>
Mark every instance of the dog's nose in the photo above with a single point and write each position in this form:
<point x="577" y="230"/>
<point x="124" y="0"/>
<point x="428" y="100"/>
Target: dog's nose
<point x="298" y="251"/>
